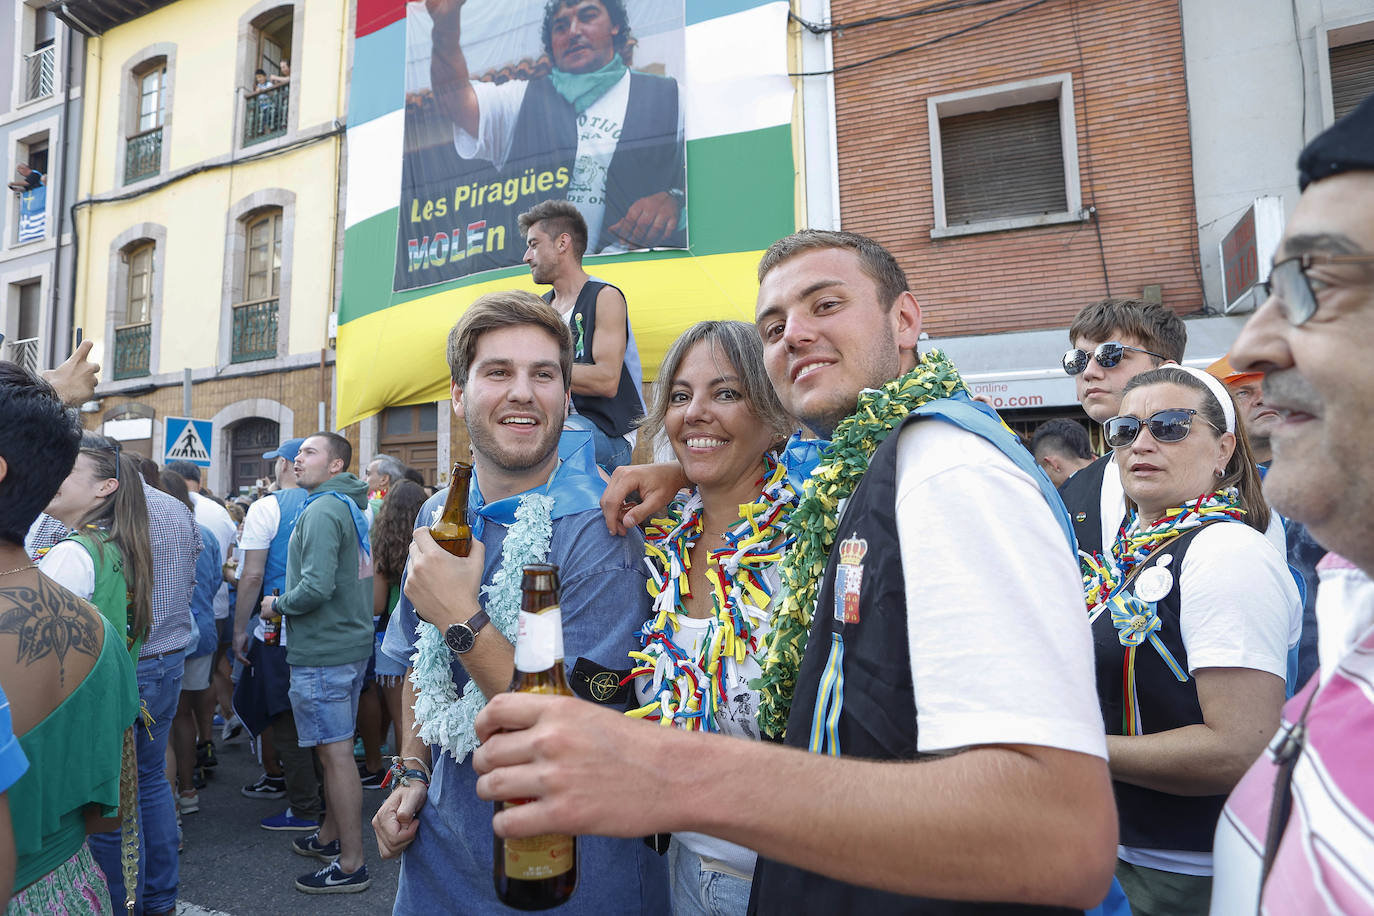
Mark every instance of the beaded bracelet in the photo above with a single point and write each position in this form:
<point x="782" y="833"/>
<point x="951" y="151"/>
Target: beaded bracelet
<point x="402" y="775"/>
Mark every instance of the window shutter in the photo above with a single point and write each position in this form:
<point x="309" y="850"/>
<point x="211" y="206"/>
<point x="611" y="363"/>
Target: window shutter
<point x="1003" y="163"/>
<point x="1352" y="76"/>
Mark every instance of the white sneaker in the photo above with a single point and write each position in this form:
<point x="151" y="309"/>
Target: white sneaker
<point x="188" y="804"/>
<point x="232" y="731"/>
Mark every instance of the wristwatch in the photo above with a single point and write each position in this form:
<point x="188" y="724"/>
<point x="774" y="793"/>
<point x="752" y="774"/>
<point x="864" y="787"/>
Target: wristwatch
<point x="460" y="637"/>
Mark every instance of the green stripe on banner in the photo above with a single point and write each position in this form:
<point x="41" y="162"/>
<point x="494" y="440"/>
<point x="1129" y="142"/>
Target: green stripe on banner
<point x="740" y="189"/>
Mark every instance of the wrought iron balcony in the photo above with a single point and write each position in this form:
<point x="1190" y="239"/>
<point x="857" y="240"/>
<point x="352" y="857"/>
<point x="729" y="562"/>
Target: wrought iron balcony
<point x="133" y="344"/>
<point x="255" y="331"/>
<point x="39" y="68"/>
<point x="24" y="352"/>
<point x="143" y="155"/>
<point x="264" y="114"/>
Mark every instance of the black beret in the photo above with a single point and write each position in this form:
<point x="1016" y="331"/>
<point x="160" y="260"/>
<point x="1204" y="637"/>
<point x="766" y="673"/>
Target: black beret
<point x="1347" y="145"/>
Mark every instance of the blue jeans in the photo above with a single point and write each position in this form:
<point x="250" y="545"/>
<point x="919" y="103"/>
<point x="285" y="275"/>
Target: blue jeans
<point x="611" y="451"/>
<point x="698" y="891"/>
<point x="159" y="687"/>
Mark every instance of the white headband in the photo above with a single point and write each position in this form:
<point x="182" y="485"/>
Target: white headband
<point x="1218" y="391"/>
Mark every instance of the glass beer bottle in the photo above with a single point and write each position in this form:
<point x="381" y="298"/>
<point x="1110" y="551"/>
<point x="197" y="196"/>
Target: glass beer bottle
<point x="537" y="872"/>
<point x="452" y="531"/>
<point x="271" y="625"/>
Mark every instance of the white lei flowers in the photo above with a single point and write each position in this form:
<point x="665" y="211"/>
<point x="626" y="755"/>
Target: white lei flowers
<point x="441" y="716"/>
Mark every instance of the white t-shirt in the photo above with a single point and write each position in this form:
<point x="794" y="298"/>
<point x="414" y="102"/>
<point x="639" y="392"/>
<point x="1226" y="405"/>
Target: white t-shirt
<point x="215" y="517"/>
<point x="1239" y="608"/>
<point x="740" y="718"/>
<point x="598" y="133"/>
<point x="1000" y="648"/>
<point x="70" y="566"/>
<point x="260" y="524"/>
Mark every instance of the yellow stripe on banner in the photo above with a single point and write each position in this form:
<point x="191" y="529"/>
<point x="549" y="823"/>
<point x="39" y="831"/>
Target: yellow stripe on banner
<point x="396" y="356"/>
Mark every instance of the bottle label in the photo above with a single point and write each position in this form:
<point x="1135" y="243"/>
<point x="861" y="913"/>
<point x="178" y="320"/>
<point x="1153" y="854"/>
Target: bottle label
<point x="536" y="857"/>
<point x="539" y="640"/>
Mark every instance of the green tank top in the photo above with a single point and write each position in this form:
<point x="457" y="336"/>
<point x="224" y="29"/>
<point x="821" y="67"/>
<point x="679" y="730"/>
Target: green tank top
<point x="111" y="595"/>
<point x="74" y="756"/>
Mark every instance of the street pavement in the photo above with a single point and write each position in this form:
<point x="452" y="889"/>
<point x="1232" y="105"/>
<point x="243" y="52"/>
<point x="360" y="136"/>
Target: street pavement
<point x="230" y="866"/>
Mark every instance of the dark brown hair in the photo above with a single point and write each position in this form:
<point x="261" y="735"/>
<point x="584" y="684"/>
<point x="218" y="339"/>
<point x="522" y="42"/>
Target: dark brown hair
<point x="504" y="309"/>
<point x="1153" y="326"/>
<point x="875" y="260"/>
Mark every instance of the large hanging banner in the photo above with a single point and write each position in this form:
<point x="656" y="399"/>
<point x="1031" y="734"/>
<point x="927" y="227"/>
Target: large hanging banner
<point x="696" y="127"/>
<point x="511" y="102"/>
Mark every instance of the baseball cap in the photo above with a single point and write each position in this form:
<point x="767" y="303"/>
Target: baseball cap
<point x="1223" y="370"/>
<point x="287" y="450"/>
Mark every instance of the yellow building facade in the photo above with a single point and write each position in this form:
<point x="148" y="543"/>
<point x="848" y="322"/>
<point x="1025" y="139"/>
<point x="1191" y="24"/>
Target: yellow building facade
<point x="207" y="220"/>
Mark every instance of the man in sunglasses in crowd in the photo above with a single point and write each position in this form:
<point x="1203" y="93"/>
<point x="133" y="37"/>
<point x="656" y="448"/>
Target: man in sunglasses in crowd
<point x="1295" y="831"/>
<point x="1113" y="341"/>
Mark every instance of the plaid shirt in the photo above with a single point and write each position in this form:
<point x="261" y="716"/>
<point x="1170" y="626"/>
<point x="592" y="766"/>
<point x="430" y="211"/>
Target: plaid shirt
<point x="43" y="534"/>
<point x="176" y="545"/>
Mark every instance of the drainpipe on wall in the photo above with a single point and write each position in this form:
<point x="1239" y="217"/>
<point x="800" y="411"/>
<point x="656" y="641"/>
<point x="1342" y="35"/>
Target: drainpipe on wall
<point x="60" y="324"/>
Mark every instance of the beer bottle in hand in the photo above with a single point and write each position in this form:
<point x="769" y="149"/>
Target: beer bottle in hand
<point x="452" y="531"/>
<point x="537" y="872"/>
<point x="271" y="624"/>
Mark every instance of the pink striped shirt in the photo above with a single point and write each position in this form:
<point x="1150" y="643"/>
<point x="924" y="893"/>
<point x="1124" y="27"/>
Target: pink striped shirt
<point x="1325" y="860"/>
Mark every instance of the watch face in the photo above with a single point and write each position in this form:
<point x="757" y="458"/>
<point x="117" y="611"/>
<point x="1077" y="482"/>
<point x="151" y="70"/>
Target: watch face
<point x="459" y="638"/>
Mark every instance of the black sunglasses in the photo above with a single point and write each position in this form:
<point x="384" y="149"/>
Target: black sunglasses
<point x="1290" y="284"/>
<point x="1169" y="425"/>
<point x="1108" y="355"/>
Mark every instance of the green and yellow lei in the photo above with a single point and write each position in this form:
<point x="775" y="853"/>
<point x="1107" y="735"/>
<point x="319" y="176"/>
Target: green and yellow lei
<point x="813" y="522"/>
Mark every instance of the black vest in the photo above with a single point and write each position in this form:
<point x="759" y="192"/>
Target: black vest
<point x="1082" y="495"/>
<point x="613" y="416"/>
<point x="647" y="156"/>
<point x="879" y="716"/>
<point x="1150" y="819"/>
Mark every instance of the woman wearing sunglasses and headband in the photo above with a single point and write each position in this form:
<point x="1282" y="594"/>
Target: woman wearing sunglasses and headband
<point x="1193" y="613"/>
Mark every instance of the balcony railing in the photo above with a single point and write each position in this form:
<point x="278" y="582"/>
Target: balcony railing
<point x="264" y="114"/>
<point x="24" y="352"/>
<point x="143" y="155"/>
<point x="255" y="331"/>
<point x="133" y="344"/>
<point x="39" y="67"/>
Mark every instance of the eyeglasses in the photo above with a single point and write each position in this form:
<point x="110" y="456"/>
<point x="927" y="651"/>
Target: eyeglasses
<point x="1291" y="285"/>
<point x="1108" y="355"/>
<point x="1170" y="425"/>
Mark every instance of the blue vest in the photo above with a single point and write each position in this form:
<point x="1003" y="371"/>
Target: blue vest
<point x="292" y="504"/>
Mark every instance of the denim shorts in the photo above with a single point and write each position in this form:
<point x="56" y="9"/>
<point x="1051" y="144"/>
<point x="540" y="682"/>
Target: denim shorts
<point x="324" y="701"/>
<point x="385" y="665"/>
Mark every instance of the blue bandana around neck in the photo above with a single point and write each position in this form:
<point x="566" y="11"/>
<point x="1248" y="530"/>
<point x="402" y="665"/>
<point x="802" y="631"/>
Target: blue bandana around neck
<point x="580" y="90"/>
<point x="360" y="522"/>
<point x="575" y="485"/>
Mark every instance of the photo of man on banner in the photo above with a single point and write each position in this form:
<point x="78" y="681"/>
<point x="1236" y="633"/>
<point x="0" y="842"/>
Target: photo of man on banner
<point x="495" y="123"/>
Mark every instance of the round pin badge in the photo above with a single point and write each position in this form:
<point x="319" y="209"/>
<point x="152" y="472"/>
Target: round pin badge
<point x="1154" y="583"/>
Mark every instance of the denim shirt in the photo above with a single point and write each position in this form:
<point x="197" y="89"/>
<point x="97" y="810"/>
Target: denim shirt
<point x="604" y="600"/>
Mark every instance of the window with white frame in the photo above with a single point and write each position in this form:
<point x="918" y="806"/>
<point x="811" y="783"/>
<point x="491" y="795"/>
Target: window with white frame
<point x="255" y="326"/>
<point x="1004" y="157"/>
<point x="143" y="146"/>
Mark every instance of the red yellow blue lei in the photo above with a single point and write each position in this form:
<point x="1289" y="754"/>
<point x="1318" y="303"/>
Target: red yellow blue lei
<point x="689" y="690"/>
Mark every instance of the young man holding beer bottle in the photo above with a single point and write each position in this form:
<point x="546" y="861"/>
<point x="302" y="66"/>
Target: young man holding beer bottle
<point x="945" y="751"/>
<point x="510" y="359"/>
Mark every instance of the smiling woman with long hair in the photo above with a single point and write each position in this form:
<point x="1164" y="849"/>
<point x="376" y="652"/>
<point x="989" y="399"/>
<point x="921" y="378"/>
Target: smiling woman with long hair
<point x="1193" y="614"/>
<point x="714" y="556"/>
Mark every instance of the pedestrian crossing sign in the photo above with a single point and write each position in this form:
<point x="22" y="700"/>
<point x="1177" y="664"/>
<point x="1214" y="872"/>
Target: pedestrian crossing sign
<point x="187" y="440"/>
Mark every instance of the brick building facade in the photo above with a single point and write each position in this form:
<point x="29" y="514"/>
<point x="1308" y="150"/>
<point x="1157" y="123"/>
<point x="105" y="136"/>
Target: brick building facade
<point x="1110" y="73"/>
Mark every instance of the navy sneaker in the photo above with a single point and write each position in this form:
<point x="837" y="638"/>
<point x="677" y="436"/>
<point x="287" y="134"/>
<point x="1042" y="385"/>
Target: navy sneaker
<point x="332" y="880"/>
<point x="287" y="820"/>
<point x="311" y="846"/>
<point x="369" y="779"/>
<point x="266" y="787"/>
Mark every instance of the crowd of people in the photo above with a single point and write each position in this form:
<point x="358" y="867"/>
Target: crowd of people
<point x="856" y="647"/>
